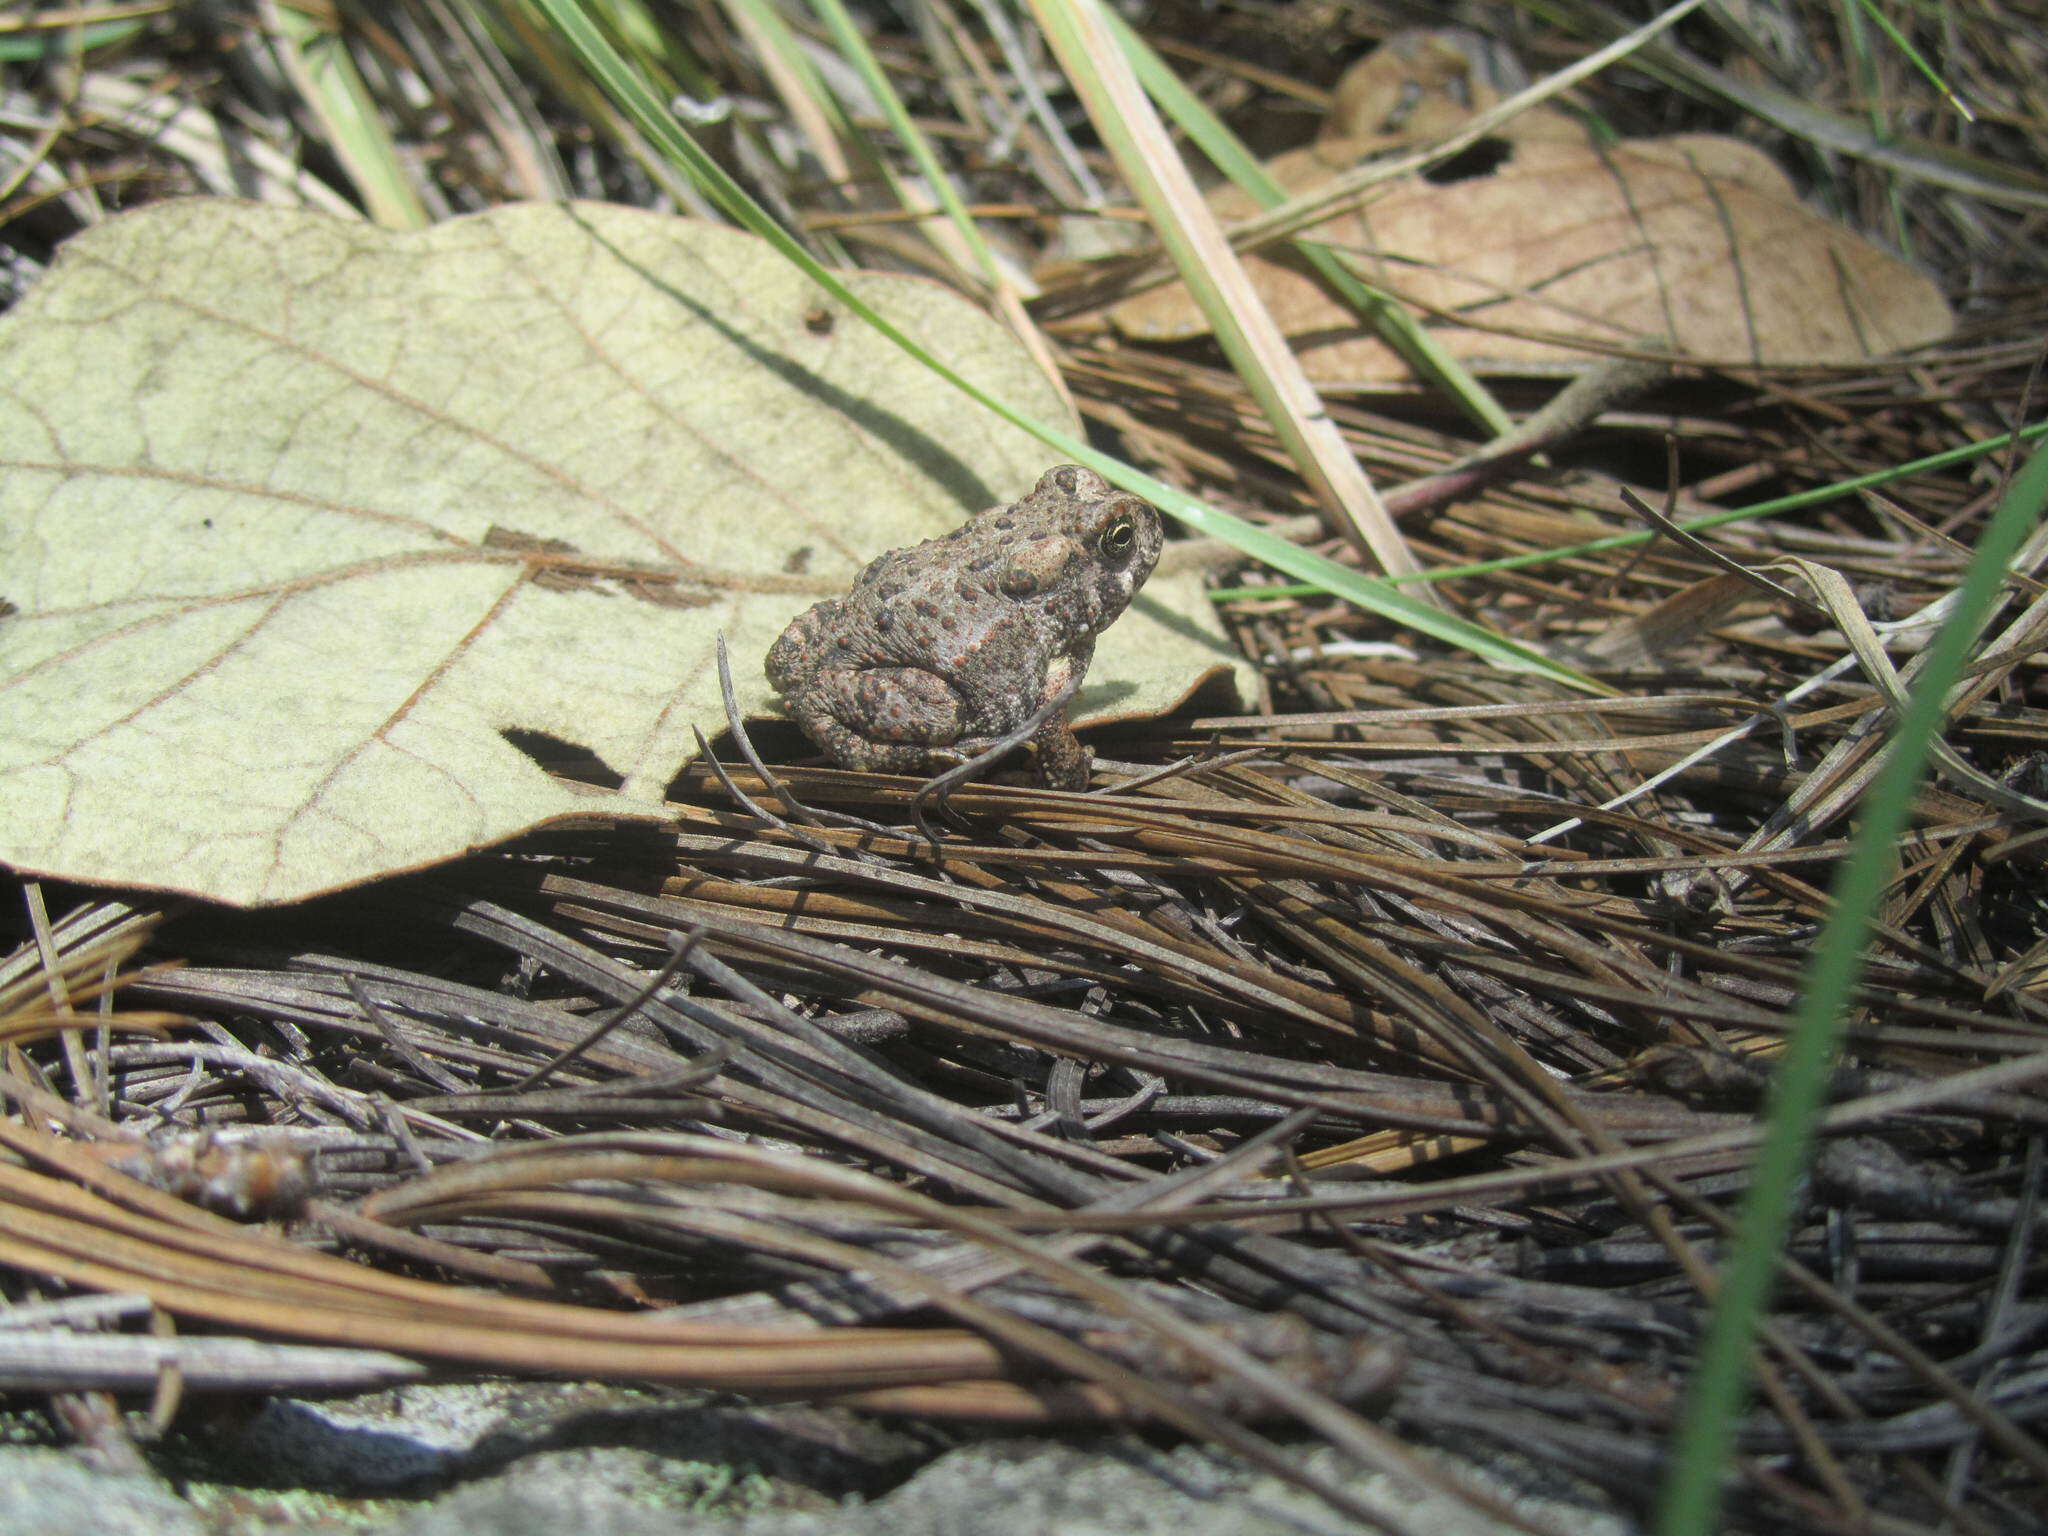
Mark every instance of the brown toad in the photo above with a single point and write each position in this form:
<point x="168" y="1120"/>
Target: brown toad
<point x="940" y="651"/>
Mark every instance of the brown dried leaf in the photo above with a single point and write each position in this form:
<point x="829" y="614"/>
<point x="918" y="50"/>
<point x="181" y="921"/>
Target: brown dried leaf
<point x="1694" y="243"/>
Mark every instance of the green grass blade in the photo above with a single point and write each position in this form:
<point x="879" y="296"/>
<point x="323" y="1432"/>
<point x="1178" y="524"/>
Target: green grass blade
<point x="1387" y="316"/>
<point x="1691" y="1497"/>
<point x="854" y="49"/>
<point x="1215" y="278"/>
<point x="317" y="60"/>
<point x="1815" y="497"/>
<point x="776" y="34"/>
<point x="648" y="113"/>
<point x="1926" y="160"/>
<point x="1885" y="25"/>
<point x="25" y="47"/>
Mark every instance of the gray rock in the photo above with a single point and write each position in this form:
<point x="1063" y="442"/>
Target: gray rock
<point x="1021" y="1488"/>
<point x="596" y="1492"/>
<point x="591" y="1459"/>
<point x="54" y="1493"/>
<point x="416" y="1439"/>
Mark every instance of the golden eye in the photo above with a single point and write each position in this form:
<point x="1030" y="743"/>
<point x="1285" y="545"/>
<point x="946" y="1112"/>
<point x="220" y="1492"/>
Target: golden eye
<point x="1118" y="539"/>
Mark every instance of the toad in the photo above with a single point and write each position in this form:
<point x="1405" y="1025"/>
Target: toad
<point x="940" y="651"/>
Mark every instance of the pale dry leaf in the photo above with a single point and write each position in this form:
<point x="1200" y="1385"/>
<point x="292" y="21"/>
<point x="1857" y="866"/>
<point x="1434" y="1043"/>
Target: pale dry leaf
<point x="299" y="517"/>
<point x="1695" y="244"/>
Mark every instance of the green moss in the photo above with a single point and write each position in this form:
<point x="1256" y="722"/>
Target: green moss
<point x="233" y="1511"/>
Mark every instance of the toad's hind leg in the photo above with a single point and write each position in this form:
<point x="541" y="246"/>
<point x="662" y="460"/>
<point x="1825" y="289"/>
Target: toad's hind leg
<point x="883" y="718"/>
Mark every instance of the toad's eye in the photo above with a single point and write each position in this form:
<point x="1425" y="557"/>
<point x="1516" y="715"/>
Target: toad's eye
<point x="1118" y="539"/>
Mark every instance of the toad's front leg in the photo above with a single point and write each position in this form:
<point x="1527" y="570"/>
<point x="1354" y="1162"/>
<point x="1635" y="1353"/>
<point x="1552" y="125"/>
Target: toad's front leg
<point x="1063" y="763"/>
